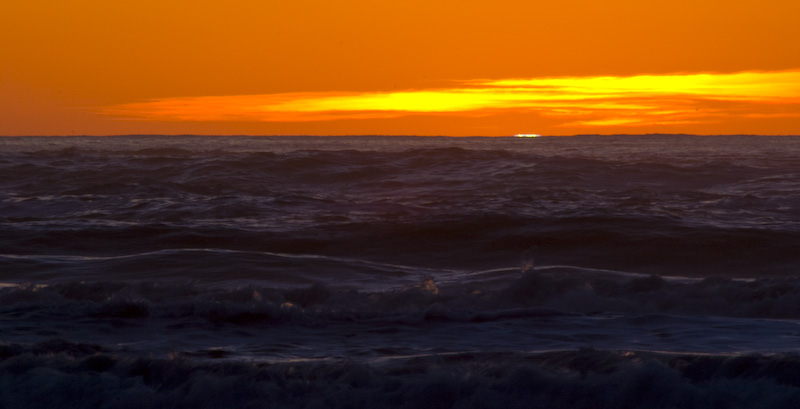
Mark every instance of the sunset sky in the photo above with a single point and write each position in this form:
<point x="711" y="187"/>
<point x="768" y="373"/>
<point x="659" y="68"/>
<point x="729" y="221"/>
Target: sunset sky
<point x="422" y="67"/>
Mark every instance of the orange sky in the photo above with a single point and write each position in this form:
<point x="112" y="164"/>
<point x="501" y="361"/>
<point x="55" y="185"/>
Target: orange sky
<point x="399" y="67"/>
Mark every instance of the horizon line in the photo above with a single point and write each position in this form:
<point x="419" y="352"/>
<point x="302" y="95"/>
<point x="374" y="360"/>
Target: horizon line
<point x="383" y="135"/>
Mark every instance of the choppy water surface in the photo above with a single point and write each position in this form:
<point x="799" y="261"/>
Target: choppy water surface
<point x="587" y="271"/>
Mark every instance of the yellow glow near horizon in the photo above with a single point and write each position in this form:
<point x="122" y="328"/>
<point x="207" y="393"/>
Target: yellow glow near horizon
<point x="449" y="67"/>
<point x="590" y="101"/>
<point x="737" y="85"/>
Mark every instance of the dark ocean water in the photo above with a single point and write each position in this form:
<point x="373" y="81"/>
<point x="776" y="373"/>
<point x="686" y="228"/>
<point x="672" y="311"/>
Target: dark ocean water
<point x="658" y="271"/>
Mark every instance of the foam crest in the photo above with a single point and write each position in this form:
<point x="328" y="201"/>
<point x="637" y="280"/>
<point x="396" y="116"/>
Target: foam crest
<point x="471" y="296"/>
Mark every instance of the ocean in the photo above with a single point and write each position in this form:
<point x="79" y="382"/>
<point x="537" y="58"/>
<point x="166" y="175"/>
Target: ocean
<point x="630" y="271"/>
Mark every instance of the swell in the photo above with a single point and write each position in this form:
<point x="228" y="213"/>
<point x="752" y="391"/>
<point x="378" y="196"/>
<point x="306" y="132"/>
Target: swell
<point x="347" y="166"/>
<point x="207" y="266"/>
<point x="358" y="272"/>
<point x="642" y="244"/>
<point x="417" y="178"/>
<point x="447" y="206"/>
